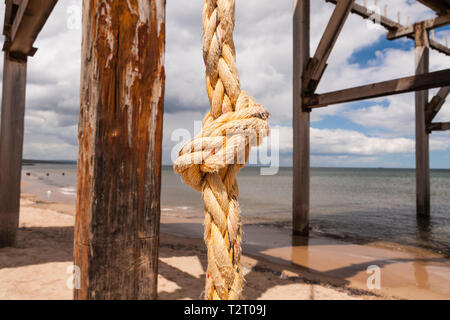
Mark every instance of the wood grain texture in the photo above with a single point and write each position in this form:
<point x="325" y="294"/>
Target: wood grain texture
<point x="439" y="47"/>
<point x="408" y="31"/>
<point x="440" y="6"/>
<point x="435" y="105"/>
<point x="28" y="22"/>
<point x="439" y="126"/>
<point x="11" y="147"/>
<point x="365" y="13"/>
<point x="391" y="25"/>
<point x="120" y="139"/>
<point x="403" y="85"/>
<point x="422" y="57"/>
<point x="301" y="120"/>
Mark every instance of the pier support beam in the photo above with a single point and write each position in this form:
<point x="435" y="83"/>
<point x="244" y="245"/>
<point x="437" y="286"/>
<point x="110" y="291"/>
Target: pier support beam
<point x="11" y="145"/>
<point x="301" y="120"/>
<point x="120" y="141"/>
<point x="422" y="134"/>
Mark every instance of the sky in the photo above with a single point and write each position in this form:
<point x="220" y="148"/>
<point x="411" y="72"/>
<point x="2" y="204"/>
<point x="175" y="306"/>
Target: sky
<point x="373" y="133"/>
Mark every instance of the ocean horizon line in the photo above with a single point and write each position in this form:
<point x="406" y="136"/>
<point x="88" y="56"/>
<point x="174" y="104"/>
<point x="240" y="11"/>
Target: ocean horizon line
<point x="74" y="162"/>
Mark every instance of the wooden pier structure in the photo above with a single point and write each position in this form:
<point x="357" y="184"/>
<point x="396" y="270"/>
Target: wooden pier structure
<point x="308" y="72"/>
<point x="120" y="147"/>
<point x="120" y="140"/>
<point x="24" y="20"/>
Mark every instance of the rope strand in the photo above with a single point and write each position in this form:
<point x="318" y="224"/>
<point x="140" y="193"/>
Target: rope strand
<point x="211" y="161"/>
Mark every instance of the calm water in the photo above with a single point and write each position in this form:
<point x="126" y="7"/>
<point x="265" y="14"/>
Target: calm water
<point x="358" y="204"/>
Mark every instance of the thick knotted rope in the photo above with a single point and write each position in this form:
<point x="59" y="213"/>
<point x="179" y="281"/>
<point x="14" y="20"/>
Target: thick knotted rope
<point x="211" y="161"/>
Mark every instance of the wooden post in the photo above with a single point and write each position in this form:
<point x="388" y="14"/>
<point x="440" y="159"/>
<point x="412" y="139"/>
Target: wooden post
<point x="301" y="120"/>
<point x="422" y="135"/>
<point x="120" y="141"/>
<point x="11" y="145"/>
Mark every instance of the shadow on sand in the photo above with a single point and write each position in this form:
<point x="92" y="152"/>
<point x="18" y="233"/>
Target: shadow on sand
<point x="55" y="244"/>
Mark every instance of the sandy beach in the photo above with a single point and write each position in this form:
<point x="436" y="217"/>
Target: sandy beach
<point x="235" y="123"/>
<point x="276" y="266"/>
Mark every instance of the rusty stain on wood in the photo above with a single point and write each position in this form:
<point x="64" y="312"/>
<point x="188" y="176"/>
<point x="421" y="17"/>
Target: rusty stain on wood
<point x="120" y="139"/>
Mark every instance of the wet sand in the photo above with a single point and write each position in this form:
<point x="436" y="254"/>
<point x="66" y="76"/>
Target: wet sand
<point x="405" y="274"/>
<point x="276" y="266"/>
<point x="38" y="268"/>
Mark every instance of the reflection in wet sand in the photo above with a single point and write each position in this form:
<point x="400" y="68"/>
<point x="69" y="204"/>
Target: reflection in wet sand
<point x="421" y="274"/>
<point x="300" y="252"/>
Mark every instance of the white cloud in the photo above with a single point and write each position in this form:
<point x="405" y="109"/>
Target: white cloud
<point x="398" y="117"/>
<point x="263" y="39"/>
<point x="355" y="143"/>
<point x="349" y="142"/>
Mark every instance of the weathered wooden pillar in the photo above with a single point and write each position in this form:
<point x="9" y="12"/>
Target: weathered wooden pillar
<point x="120" y="140"/>
<point x="422" y="134"/>
<point x="301" y="120"/>
<point x="11" y="145"/>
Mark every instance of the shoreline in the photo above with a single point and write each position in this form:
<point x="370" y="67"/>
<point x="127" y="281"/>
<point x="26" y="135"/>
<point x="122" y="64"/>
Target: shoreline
<point x="191" y="215"/>
<point x="38" y="268"/>
<point x="277" y="266"/>
<point x="405" y="274"/>
<point x="417" y="236"/>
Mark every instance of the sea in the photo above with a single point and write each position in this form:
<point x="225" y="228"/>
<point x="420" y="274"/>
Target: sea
<point x="355" y="204"/>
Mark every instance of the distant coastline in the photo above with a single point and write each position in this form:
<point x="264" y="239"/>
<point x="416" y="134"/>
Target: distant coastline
<point x="355" y="204"/>
<point x="28" y="162"/>
<point x="32" y="162"/>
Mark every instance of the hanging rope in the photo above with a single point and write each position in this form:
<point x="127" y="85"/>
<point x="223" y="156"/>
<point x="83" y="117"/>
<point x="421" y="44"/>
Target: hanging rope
<point x="210" y="162"/>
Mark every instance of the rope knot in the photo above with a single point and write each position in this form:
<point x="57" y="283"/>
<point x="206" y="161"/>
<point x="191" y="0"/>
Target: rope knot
<point x="223" y="142"/>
